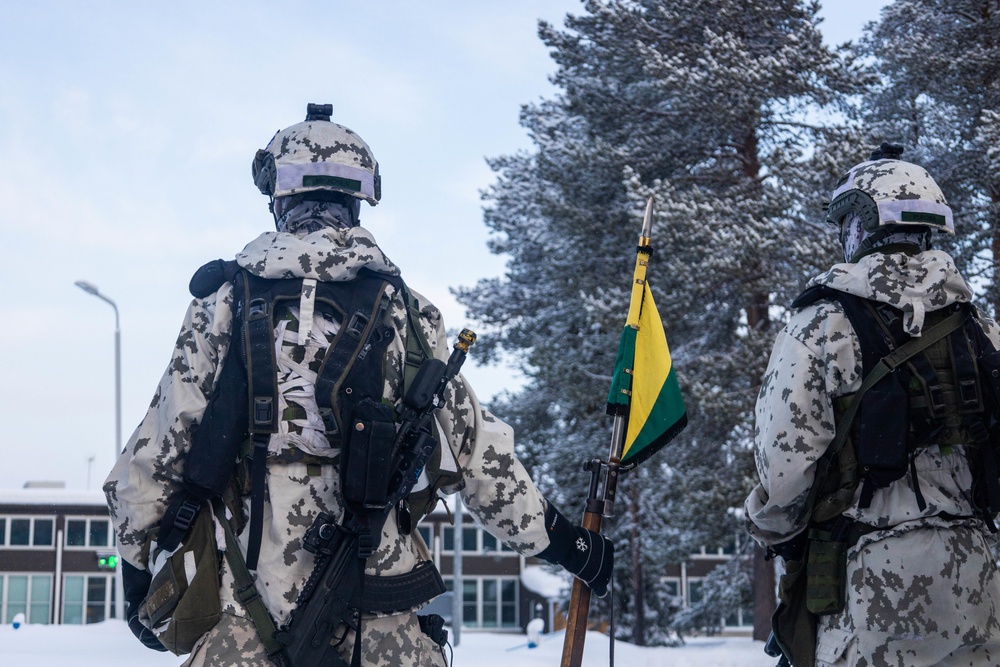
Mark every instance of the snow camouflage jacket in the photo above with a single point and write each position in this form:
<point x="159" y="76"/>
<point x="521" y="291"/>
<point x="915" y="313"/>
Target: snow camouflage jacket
<point x="924" y="586"/>
<point x="497" y="489"/>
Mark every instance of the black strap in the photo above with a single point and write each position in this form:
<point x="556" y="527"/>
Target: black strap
<point x="258" y="334"/>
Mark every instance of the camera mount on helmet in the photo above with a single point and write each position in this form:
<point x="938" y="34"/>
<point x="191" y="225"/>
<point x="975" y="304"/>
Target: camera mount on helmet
<point x="319" y="111"/>
<point x="887" y="151"/>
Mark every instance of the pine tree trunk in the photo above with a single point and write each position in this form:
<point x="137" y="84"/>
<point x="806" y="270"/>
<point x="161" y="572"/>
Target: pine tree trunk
<point x="764" y="600"/>
<point x="994" y="218"/>
<point x="638" y="585"/>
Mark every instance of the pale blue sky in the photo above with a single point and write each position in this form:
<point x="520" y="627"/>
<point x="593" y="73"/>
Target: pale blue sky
<point x="126" y="135"/>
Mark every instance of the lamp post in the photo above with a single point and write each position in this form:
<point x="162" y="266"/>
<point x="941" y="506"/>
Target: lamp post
<point x="90" y="288"/>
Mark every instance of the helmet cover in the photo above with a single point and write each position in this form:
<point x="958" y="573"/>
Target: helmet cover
<point x="886" y="192"/>
<point x="317" y="154"/>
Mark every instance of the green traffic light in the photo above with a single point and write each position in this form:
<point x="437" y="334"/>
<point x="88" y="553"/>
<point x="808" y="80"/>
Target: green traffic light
<point x="107" y="562"/>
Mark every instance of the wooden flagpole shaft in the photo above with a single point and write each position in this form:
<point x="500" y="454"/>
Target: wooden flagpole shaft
<point x="597" y="508"/>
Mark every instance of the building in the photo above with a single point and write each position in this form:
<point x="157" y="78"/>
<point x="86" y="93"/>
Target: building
<point x="57" y="560"/>
<point x="57" y="555"/>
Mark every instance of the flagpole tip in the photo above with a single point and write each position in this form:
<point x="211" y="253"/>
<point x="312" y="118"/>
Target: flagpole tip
<point x="645" y="239"/>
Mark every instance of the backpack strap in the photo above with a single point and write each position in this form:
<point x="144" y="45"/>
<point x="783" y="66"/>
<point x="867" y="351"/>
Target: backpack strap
<point x="417" y="347"/>
<point x="258" y="337"/>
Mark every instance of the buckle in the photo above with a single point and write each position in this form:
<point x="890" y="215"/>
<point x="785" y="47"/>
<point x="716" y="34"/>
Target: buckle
<point x="356" y="326"/>
<point x="262" y="410"/>
<point x="256" y="310"/>
<point x="937" y="398"/>
<point x="246" y="598"/>
<point x="186" y="514"/>
<point x="968" y="394"/>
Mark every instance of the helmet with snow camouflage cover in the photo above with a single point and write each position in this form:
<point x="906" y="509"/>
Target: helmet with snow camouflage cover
<point x="886" y="191"/>
<point x="317" y="155"/>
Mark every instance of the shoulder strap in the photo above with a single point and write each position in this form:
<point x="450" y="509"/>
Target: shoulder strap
<point x="258" y="337"/>
<point x="417" y="347"/>
<point x="247" y="593"/>
<point x="886" y="365"/>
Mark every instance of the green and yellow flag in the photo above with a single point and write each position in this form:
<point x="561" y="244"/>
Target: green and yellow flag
<point x="644" y="386"/>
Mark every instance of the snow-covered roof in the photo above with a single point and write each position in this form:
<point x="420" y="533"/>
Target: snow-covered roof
<point x="43" y="496"/>
<point x="550" y="585"/>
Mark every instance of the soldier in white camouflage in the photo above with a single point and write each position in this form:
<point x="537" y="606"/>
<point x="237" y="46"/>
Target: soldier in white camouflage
<point x="921" y="584"/>
<point x="317" y="173"/>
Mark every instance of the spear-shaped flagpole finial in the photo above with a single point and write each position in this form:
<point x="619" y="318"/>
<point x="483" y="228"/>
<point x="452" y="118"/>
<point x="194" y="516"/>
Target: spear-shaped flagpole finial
<point x="646" y="238"/>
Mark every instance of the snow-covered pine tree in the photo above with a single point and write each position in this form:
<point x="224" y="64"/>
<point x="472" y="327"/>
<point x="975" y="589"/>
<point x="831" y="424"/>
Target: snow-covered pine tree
<point x="939" y="95"/>
<point x="706" y="104"/>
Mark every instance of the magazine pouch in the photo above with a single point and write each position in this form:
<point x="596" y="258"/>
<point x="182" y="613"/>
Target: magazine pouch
<point x="826" y="572"/>
<point x="367" y="459"/>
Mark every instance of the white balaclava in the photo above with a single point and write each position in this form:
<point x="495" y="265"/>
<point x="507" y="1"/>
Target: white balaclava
<point x="855" y="238"/>
<point x="299" y="215"/>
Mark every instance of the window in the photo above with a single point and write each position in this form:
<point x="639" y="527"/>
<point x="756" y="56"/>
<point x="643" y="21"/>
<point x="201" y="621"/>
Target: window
<point x="425" y="532"/>
<point x="28" y="594"/>
<point x="88" y="598"/>
<point x="474" y="540"/>
<point x="671" y="587"/>
<point x="26" y="531"/>
<point x="694" y="591"/>
<point x="469" y="539"/>
<point x="90" y="533"/>
<point x="488" y="602"/>
<point x="20" y="532"/>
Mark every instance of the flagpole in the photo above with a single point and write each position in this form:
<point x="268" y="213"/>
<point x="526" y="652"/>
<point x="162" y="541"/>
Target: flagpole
<point x="597" y="507"/>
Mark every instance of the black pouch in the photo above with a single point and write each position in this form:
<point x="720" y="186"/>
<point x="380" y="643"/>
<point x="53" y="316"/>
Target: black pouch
<point x="367" y="457"/>
<point x="793" y="625"/>
<point x="826" y="573"/>
<point x="989" y="367"/>
<point x="884" y="428"/>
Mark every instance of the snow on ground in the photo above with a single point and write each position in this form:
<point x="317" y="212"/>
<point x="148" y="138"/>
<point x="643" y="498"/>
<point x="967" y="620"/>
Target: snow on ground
<point x="110" y="644"/>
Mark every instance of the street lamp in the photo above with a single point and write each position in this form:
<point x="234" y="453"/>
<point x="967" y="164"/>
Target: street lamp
<point x="90" y="288"/>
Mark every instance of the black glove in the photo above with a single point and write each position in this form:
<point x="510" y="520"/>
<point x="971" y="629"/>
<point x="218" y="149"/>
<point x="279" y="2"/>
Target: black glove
<point x="588" y="555"/>
<point x="136" y="584"/>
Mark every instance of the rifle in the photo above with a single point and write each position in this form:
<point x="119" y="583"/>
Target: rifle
<point x="342" y="549"/>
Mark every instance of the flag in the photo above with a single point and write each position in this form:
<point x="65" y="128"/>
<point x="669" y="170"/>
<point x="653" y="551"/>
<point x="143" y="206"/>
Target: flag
<point x="644" y="386"/>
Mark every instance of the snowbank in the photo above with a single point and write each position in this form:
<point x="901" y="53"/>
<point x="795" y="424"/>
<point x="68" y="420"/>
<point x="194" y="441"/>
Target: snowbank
<point x="110" y="644"/>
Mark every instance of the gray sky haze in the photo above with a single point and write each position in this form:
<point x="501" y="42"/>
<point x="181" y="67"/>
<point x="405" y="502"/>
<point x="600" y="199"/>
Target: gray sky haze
<point x="126" y="136"/>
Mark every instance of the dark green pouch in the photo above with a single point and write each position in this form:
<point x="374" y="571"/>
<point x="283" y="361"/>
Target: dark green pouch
<point x="826" y="573"/>
<point x="794" y="626"/>
<point x="183" y="601"/>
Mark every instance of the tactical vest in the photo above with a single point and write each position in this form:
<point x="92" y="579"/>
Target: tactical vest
<point x="936" y="398"/>
<point x="242" y="412"/>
